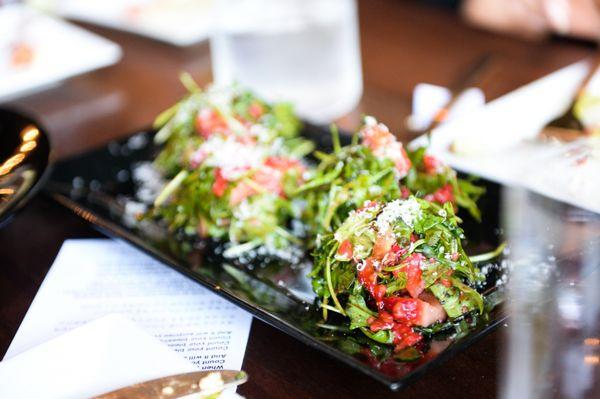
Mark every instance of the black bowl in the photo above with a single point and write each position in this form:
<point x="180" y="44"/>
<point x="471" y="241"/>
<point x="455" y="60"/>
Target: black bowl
<point x="24" y="161"/>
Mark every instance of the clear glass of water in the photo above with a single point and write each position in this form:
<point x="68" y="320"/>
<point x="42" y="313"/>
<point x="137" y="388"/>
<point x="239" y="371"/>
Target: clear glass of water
<point x="303" y="51"/>
<point x="553" y="334"/>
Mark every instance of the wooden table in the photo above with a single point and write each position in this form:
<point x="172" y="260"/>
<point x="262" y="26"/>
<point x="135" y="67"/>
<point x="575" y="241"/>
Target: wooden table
<point x="403" y="44"/>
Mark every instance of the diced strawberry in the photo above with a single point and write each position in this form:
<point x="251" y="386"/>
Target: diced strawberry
<point x="220" y="184"/>
<point x="397" y="249"/>
<point x="446" y="283"/>
<point x="378" y="138"/>
<point x="209" y="122"/>
<point x="442" y="195"/>
<point x="284" y="164"/>
<point x="383" y="245"/>
<point x="432" y="310"/>
<point x="422" y="311"/>
<point x="375" y="135"/>
<point x="368" y="278"/>
<point x="431" y="165"/>
<point x="367" y="275"/>
<point x="404" y="192"/>
<point x="394" y="256"/>
<point x="407" y="310"/>
<point x="384" y="321"/>
<point x="379" y="293"/>
<point x="345" y="249"/>
<point x="389" y="302"/>
<point x="240" y="192"/>
<point x="405" y="336"/>
<point x="414" y="280"/>
<point x="400" y="158"/>
<point x="269" y="179"/>
<point x="255" y="110"/>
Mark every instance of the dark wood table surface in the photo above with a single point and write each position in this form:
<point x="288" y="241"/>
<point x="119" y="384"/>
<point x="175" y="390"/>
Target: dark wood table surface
<point x="403" y="43"/>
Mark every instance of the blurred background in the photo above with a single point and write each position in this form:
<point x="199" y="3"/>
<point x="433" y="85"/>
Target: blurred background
<point x="336" y="59"/>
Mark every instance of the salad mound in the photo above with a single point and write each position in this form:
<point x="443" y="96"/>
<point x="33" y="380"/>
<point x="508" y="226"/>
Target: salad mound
<point x="233" y="161"/>
<point x="388" y="255"/>
<point x="393" y="268"/>
<point x="376" y="167"/>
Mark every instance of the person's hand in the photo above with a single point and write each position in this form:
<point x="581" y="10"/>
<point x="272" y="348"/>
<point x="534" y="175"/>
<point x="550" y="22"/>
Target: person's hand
<point x="536" y="18"/>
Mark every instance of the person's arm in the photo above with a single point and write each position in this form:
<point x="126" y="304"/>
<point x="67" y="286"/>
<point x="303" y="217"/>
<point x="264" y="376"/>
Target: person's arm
<point x="536" y="18"/>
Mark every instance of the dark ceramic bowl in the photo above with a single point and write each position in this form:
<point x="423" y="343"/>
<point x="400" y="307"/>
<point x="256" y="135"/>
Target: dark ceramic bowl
<point x="24" y="161"/>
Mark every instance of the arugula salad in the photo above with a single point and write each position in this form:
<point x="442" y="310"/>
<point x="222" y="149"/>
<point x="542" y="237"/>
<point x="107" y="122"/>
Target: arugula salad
<point x="379" y="219"/>
<point x="392" y="268"/>
<point x="376" y="167"/>
<point x="231" y="161"/>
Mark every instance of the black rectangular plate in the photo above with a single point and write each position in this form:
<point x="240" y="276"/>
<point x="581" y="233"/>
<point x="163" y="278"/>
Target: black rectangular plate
<point x="95" y="185"/>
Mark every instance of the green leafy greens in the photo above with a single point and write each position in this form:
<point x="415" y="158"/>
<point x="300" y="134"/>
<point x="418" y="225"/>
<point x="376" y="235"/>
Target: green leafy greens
<point x="233" y="162"/>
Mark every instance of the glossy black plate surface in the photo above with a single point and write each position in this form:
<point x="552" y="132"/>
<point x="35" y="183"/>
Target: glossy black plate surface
<point x="97" y="186"/>
<point x="24" y="161"/>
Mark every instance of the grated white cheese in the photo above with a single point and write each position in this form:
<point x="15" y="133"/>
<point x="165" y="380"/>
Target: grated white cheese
<point x="261" y="133"/>
<point x="234" y="158"/>
<point x="244" y="211"/>
<point x="406" y="210"/>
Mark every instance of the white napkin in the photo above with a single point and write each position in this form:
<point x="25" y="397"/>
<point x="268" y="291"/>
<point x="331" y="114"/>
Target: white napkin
<point x="101" y="356"/>
<point x="428" y="99"/>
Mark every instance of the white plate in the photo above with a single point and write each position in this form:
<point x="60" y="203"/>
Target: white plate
<point x="59" y="51"/>
<point x="178" y="22"/>
<point x="497" y="142"/>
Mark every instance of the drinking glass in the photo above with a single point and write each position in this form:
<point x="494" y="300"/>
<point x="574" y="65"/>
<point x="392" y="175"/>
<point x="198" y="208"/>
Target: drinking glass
<point x="303" y="51"/>
<point x="553" y="348"/>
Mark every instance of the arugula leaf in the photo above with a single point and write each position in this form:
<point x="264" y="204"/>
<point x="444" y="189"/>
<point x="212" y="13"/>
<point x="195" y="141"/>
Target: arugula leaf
<point x="358" y="312"/>
<point x="381" y="336"/>
<point x="421" y="183"/>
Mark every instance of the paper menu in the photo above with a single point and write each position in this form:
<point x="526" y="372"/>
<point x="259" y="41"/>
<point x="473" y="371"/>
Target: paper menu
<point x="94" y="277"/>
